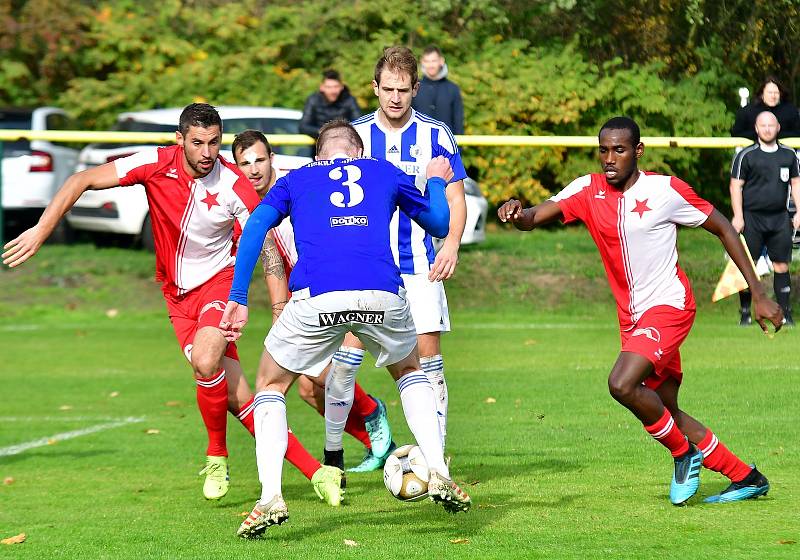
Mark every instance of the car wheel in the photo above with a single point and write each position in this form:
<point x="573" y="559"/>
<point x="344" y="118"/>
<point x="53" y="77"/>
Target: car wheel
<point x="148" y="244"/>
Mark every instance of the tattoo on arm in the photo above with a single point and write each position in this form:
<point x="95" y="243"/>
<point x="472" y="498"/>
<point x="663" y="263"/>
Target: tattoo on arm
<point x="271" y="258"/>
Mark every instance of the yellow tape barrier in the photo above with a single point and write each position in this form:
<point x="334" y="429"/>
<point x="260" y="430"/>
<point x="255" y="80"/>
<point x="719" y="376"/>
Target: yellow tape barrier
<point x="463" y="140"/>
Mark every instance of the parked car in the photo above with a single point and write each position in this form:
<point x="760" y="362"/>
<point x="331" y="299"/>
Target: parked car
<point x="33" y="170"/>
<point x="477" y="210"/>
<point x="124" y="210"/>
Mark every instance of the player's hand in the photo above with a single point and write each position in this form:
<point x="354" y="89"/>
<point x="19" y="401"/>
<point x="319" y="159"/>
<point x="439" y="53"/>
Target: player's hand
<point x="439" y="167"/>
<point x="233" y="321"/>
<point x="796" y="221"/>
<point x="738" y="223"/>
<point x="444" y="266"/>
<point x="511" y="211"/>
<point x="19" y="250"/>
<point x="766" y="309"/>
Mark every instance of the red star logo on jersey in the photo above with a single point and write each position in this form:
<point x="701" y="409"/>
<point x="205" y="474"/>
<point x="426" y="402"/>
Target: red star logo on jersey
<point x="641" y="207"/>
<point x="210" y="199"/>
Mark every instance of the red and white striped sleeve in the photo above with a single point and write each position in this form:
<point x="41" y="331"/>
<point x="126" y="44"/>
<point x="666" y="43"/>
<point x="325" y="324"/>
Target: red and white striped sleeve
<point x="136" y="168"/>
<point x="243" y="202"/>
<point x="572" y="200"/>
<point x="689" y="209"/>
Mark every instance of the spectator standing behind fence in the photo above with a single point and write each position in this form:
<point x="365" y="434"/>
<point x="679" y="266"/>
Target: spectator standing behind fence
<point x="761" y="176"/>
<point x="438" y="97"/>
<point x="332" y="101"/>
<point x="773" y="97"/>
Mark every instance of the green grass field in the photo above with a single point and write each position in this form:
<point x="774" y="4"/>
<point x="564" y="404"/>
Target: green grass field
<point x="555" y="467"/>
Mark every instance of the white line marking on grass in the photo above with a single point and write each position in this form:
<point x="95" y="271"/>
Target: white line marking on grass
<point x="533" y="326"/>
<point x="62" y="419"/>
<point x="13" y="328"/>
<point x="19" y="448"/>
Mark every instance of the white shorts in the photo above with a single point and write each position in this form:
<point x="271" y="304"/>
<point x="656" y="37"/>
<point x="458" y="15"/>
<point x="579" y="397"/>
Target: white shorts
<point x="311" y="329"/>
<point x="428" y="303"/>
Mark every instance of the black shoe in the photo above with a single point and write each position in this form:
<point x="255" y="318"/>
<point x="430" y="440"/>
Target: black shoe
<point x="336" y="459"/>
<point x="754" y="485"/>
<point x="746" y="319"/>
<point x="787" y="319"/>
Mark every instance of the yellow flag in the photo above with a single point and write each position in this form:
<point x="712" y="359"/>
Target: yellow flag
<point x="732" y="282"/>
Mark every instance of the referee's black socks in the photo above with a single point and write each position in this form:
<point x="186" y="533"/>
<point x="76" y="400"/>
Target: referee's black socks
<point x="783" y="288"/>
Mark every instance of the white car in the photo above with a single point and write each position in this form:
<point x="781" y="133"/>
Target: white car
<point x="33" y="170"/>
<point x="477" y="210"/>
<point x="124" y="210"/>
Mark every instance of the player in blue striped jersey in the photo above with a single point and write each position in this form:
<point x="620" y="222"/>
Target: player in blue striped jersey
<point x="409" y="140"/>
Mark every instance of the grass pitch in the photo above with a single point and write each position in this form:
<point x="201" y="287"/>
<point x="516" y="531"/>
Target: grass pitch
<point x="555" y="467"/>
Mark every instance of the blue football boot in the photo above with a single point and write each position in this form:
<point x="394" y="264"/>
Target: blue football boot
<point x="754" y="485"/>
<point x="378" y="429"/>
<point x="372" y="462"/>
<point x="686" y="478"/>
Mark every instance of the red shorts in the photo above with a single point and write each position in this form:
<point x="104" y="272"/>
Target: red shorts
<point x="658" y="336"/>
<point x="201" y="307"/>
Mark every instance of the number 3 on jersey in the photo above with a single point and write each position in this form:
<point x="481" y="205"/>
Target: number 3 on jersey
<point x="355" y="192"/>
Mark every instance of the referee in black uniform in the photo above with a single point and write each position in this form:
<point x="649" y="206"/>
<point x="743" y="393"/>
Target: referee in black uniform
<point x="760" y="179"/>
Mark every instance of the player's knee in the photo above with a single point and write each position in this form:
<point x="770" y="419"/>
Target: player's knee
<point x="621" y="390"/>
<point x="205" y="364"/>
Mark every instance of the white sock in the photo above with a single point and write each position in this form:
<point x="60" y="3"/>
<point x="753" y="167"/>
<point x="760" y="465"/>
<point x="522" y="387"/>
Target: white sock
<point x="419" y="407"/>
<point x="272" y="438"/>
<point x="339" y="389"/>
<point x="433" y="366"/>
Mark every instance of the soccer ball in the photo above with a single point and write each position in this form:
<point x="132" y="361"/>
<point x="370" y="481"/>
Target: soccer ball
<point x="405" y="474"/>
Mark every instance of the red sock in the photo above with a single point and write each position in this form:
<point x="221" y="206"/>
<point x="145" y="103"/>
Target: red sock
<point x="356" y="428"/>
<point x="297" y="455"/>
<point x="717" y="457"/>
<point x="666" y="432"/>
<point x="363" y="404"/>
<point x="212" y="399"/>
<point x="245" y="416"/>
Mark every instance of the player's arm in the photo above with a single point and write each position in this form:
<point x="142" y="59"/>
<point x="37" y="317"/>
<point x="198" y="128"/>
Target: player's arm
<point x="20" y="249"/>
<point x="447" y="258"/>
<point x="274" y="275"/>
<point x="525" y="219"/>
<point x="429" y="210"/>
<point x="263" y="219"/>
<point x="736" y="204"/>
<point x="765" y="308"/>
<point x="444" y="264"/>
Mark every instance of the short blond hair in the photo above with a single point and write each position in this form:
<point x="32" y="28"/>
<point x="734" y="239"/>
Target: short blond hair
<point x="398" y="60"/>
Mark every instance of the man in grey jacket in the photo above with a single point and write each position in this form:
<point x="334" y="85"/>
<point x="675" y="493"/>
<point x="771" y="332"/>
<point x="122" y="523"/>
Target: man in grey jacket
<point x="438" y="97"/>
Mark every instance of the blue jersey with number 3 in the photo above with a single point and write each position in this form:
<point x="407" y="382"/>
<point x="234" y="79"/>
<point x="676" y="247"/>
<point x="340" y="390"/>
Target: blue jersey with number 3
<point x="340" y="212"/>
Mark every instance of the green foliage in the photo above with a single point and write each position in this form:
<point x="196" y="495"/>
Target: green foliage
<point x="523" y="90"/>
<point x="548" y="67"/>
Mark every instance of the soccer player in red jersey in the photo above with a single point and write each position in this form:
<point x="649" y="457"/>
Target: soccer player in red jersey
<point x="632" y="217"/>
<point x="199" y="203"/>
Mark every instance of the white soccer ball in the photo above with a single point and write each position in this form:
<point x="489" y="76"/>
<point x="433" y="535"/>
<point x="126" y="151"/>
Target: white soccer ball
<point x="405" y="474"/>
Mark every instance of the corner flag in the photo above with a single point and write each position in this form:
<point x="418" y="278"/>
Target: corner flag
<point x="732" y="282"/>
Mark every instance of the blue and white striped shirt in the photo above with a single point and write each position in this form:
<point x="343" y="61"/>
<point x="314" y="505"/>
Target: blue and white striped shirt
<point x="410" y="149"/>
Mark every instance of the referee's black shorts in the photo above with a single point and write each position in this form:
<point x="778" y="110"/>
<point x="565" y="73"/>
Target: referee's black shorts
<point x="773" y="231"/>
